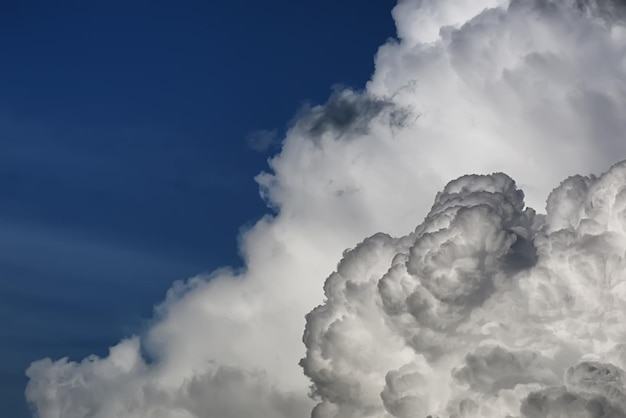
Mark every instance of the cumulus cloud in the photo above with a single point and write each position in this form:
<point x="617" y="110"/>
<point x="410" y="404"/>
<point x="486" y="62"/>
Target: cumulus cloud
<point x="122" y="385"/>
<point x="439" y="322"/>
<point x="481" y="310"/>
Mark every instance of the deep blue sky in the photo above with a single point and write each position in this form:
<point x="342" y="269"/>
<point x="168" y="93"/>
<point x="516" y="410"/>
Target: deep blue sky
<point x="123" y="157"/>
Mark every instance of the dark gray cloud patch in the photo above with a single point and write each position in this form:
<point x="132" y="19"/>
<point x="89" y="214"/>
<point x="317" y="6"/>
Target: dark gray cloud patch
<point x="348" y="113"/>
<point x="609" y="10"/>
<point x="558" y="402"/>
<point x="602" y="379"/>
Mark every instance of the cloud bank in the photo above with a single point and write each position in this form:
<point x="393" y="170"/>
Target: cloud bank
<point x="486" y="309"/>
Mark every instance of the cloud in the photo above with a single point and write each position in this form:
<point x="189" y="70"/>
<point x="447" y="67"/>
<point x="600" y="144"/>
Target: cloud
<point x="560" y="403"/>
<point x="410" y="326"/>
<point x="262" y="140"/>
<point x="491" y="369"/>
<point x="122" y="385"/>
<point x="610" y="10"/>
<point x="438" y="323"/>
<point x="349" y="114"/>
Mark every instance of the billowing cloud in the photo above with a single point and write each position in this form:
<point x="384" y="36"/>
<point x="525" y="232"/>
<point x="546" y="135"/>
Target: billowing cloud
<point x="483" y="308"/>
<point x="446" y="322"/>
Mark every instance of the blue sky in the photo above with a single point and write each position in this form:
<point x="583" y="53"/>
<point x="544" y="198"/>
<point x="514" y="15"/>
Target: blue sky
<point x="123" y="156"/>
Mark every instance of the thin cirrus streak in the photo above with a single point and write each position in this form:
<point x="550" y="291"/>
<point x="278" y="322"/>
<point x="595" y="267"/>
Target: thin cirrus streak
<point x="487" y="309"/>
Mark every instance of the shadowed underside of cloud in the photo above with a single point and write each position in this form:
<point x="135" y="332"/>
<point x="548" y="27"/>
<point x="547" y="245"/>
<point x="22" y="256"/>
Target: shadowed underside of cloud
<point x="485" y="309"/>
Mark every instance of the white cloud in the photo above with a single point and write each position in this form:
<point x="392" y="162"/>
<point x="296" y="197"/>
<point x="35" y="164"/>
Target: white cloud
<point x="535" y="89"/>
<point x="447" y="321"/>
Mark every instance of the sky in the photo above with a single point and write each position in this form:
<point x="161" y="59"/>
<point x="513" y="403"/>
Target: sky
<point x="130" y="135"/>
<point x="442" y="236"/>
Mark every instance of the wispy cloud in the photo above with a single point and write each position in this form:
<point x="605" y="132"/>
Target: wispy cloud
<point x="263" y="140"/>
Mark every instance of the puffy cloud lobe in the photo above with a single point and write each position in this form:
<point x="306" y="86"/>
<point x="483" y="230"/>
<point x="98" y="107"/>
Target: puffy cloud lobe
<point x="491" y="369"/>
<point x="593" y="389"/>
<point x="468" y="237"/>
<point x="123" y="385"/>
<point x="451" y="328"/>
<point x="531" y="88"/>
<point x="603" y="379"/>
<point x="554" y="403"/>
<point x="447" y="267"/>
